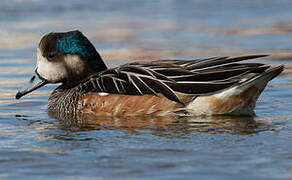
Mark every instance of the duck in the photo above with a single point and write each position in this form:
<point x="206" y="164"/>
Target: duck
<point x="203" y="86"/>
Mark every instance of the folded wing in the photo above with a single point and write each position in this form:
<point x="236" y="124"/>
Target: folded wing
<point x="193" y="77"/>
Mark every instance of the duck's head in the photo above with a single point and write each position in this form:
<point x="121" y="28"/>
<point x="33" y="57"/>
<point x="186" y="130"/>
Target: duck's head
<point x="67" y="58"/>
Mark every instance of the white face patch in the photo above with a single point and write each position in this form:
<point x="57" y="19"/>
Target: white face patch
<point x="74" y="63"/>
<point x="54" y="71"/>
<point x="51" y="71"/>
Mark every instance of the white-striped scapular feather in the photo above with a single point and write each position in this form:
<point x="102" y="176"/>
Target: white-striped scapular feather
<point x="193" y="77"/>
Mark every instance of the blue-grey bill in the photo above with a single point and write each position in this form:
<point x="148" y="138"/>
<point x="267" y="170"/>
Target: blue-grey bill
<point x="34" y="83"/>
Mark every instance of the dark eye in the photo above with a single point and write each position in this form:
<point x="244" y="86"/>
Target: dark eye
<point x="52" y="55"/>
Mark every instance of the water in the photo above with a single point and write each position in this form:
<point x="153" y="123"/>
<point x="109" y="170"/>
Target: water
<point x="33" y="145"/>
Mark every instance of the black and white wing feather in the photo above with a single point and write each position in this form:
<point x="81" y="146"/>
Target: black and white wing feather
<point x="193" y="77"/>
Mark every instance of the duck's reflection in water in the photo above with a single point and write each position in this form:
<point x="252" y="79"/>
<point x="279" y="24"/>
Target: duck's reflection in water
<point x="163" y="125"/>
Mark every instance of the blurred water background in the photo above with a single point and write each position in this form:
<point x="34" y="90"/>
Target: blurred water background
<point x="35" y="146"/>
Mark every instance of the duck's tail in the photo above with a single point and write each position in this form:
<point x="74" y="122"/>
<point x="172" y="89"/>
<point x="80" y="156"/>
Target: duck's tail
<point x="239" y="99"/>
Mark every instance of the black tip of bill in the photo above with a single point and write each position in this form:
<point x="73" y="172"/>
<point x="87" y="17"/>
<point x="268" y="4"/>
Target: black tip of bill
<point x="18" y="95"/>
<point x="33" y="84"/>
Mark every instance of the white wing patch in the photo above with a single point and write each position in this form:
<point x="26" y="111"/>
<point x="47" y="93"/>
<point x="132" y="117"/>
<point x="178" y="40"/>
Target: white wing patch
<point x="103" y="93"/>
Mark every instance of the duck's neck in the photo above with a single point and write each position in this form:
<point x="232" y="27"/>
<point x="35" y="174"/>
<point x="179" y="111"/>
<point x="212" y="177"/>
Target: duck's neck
<point x="64" y="99"/>
<point x="95" y="61"/>
<point x="100" y="65"/>
<point x="91" y="69"/>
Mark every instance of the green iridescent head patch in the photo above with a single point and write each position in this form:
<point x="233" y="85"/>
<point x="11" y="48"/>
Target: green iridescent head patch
<point x="74" y="44"/>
